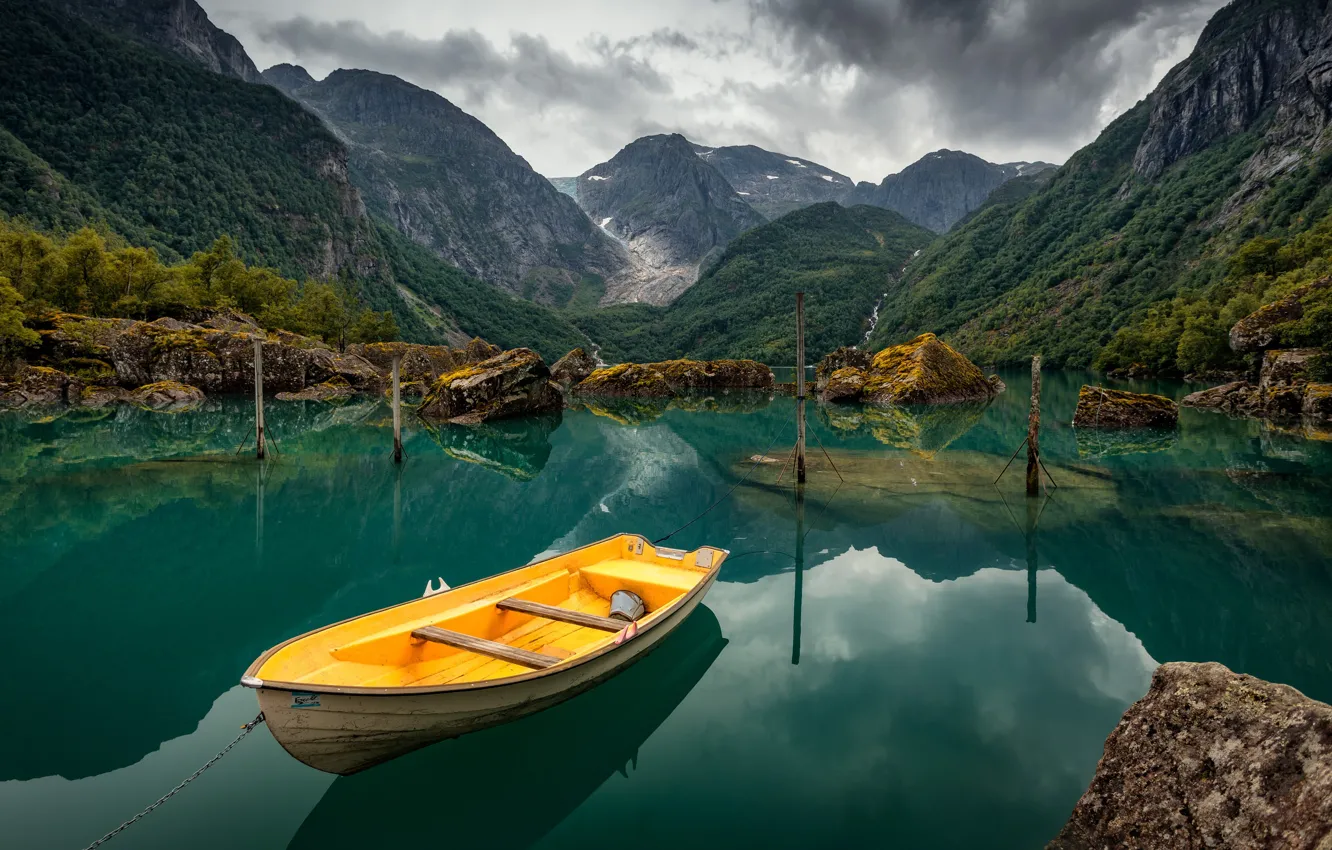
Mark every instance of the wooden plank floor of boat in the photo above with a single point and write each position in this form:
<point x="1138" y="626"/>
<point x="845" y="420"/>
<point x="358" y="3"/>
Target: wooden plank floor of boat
<point x="548" y="637"/>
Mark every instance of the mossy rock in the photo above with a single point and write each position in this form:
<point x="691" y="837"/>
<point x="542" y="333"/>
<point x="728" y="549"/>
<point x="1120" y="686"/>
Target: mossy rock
<point x="626" y="380"/>
<point x="167" y="396"/>
<point x="925" y="370"/>
<point x="1099" y="407"/>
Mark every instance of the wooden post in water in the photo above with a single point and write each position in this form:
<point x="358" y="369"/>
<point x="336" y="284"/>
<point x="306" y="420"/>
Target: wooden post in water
<point x="260" y="452"/>
<point x="397" y="410"/>
<point x="1034" y="430"/>
<point x="800" y="389"/>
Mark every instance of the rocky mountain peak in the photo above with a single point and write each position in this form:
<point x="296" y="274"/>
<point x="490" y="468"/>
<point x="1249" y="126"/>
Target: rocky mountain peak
<point x="669" y="207"/>
<point x="938" y="190"/>
<point x="181" y="27"/>
<point x="1243" y="59"/>
<point x="288" y="78"/>
<point x="775" y="183"/>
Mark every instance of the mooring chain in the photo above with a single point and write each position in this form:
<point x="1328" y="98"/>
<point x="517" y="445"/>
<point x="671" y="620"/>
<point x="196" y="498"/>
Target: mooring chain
<point x="245" y="730"/>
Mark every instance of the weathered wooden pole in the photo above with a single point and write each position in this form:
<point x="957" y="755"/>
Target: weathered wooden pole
<point x="259" y="485"/>
<point x="799" y="574"/>
<point x="1034" y="430"/>
<point x="259" y="397"/>
<point x="800" y="388"/>
<point x="397" y="410"/>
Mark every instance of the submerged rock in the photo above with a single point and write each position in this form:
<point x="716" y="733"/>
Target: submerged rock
<point x="842" y="358"/>
<point x="626" y="380"/>
<point x="1099" y="407"/>
<point x="925" y="370"/>
<point x="1210" y="758"/>
<point x="167" y="396"/>
<point x="334" y="389"/>
<point x="573" y="367"/>
<point x="514" y="383"/>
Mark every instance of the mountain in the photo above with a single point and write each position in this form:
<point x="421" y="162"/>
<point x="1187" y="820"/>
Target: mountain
<point x="444" y="179"/>
<point x="181" y="27"/>
<point x="170" y="154"/>
<point x="1180" y="218"/>
<point x="156" y="150"/>
<point x="670" y="208"/>
<point x="774" y="183"/>
<point x="939" y="189"/>
<point x="842" y="258"/>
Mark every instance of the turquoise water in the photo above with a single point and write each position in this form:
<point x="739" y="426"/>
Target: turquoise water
<point x="957" y="670"/>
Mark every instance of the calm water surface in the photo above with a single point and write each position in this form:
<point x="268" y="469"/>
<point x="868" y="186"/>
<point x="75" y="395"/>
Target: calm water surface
<point x="940" y="671"/>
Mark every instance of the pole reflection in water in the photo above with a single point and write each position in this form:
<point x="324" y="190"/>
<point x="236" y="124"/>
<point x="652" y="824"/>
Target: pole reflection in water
<point x="799" y="572"/>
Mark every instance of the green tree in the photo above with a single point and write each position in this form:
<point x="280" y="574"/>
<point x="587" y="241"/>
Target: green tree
<point x="14" y="337"/>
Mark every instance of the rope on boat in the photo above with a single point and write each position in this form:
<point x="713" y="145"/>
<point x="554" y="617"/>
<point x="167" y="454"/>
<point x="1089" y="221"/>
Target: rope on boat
<point x="760" y="459"/>
<point x="245" y="730"/>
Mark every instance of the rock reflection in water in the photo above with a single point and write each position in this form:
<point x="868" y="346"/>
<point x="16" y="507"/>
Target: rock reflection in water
<point x="641" y="411"/>
<point x="464" y="789"/>
<point x="1098" y="443"/>
<point x="518" y="448"/>
<point x="924" y="430"/>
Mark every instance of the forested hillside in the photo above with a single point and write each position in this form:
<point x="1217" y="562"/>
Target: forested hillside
<point x="176" y="155"/>
<point x="744" y="305"/>
<point x="104" y="141"/>
<point x="1139" y="231"/>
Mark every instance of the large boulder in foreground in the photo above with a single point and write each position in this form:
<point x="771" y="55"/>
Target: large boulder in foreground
<point x="925" y="370"/>
<point x="513" y="383"/>
<point x="1099" y="407"/>
<point x="574" y="367"/>
<point x="1210" y="758"/>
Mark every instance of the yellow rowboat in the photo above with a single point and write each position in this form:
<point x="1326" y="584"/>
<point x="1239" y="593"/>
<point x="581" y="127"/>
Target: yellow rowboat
<point x="366" y="690"/>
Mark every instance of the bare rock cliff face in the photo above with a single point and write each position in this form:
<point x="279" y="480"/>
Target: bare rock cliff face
<point x="669" y="207"/>
<point x="1243" y="59"/>
<point x="178" y="26"/>
<point x="444" y="179"/>
<point x="1210" y="758"/>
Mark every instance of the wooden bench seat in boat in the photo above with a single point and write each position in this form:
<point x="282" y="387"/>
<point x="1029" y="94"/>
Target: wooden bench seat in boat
<point x="535" y="660"/>
<point x="564" y="615"/>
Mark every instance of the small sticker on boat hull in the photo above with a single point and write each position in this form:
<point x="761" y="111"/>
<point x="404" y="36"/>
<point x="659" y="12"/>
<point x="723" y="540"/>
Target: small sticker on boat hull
<point x="304" y="700"/>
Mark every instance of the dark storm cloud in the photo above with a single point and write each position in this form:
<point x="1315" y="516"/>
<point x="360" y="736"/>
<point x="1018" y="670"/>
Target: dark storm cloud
<point x="529" y="69"/>
<point x="1020" y="68"/>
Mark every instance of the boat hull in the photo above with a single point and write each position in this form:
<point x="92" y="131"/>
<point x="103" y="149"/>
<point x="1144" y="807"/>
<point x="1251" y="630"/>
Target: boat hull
<point x="345" y="733"/>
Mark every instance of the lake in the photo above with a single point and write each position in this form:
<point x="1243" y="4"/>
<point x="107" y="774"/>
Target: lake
<point x="912" y="656"/>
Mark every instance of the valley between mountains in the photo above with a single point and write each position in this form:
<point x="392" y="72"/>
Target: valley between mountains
<point x="146" y="125"/>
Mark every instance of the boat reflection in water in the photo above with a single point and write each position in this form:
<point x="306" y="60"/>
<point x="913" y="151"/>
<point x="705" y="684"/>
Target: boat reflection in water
<point x="464" y="787"/>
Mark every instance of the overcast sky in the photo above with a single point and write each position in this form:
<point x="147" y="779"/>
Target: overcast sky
<point x="862" y="86"/>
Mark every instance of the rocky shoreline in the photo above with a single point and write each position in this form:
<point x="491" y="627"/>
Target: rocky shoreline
<point x="1210" y="758"/>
